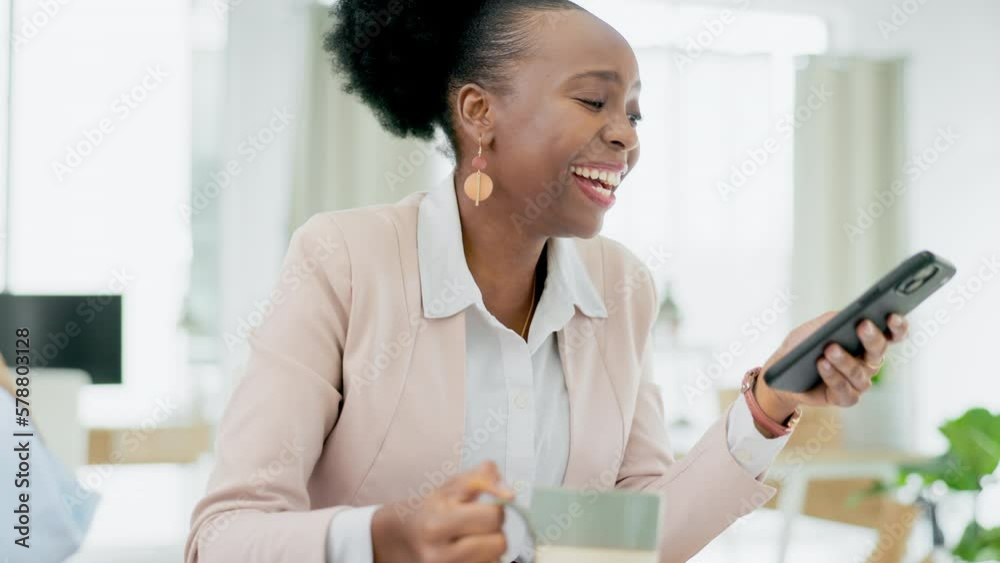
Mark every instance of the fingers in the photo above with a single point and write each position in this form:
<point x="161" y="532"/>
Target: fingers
<point x="855" y="372"/>
<point x="472" y="519"/>
<point x="840" y="391"/>
<point x="899" y="327"/>
<point x="875" y="344"/>
<point x="482" y="548"/>
<point x="483" y="479"/>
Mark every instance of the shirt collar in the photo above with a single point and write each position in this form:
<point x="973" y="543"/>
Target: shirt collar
<point x="447" y="285"/>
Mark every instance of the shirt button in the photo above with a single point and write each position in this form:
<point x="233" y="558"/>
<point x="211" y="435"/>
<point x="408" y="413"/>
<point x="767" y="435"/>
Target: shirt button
<point x="521" y="401"/>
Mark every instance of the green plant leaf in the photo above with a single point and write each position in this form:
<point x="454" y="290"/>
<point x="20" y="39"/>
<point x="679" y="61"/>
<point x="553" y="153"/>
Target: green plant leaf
<point x="973" y="453"/>
<point x="978" y="544"/>
<point x="879" y="376"/>
<point x="974" y="440"/>
<point x="947" y="468"/>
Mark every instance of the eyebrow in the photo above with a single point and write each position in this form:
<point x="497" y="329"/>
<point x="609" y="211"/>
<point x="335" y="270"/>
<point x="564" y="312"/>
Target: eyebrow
<point x="606" y="75"/>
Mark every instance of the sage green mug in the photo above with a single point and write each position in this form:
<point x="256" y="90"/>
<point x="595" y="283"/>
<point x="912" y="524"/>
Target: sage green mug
<point x="587" y="526"/>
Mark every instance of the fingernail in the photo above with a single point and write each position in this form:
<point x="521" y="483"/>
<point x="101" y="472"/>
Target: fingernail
<point x="896" y="321"/>
<point x="870" y="329"/>
<point x="837" y="353"/>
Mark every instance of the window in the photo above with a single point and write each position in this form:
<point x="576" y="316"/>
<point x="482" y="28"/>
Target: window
<point x="709" y="207"/>
<point x="100" y="164"/>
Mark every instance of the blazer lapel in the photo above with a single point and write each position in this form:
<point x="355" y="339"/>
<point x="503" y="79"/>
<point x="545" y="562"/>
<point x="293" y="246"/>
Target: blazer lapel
<point x="597" y="443"/>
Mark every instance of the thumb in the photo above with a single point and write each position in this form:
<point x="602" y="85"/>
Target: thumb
<point x="483" y="479"/>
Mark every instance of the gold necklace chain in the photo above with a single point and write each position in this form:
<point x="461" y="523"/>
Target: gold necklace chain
<point x="531" y="307"/>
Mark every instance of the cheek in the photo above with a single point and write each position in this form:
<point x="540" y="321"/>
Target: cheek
<point x="633" y="158"/>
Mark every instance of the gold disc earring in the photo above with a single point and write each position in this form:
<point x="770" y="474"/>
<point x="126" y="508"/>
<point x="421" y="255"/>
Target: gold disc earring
<point x="479" y="186"/>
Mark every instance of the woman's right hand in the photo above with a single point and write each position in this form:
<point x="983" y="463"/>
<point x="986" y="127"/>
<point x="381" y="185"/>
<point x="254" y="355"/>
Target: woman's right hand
<point x="450" y="526"/>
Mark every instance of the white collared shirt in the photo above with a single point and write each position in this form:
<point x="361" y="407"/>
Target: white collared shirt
<point x="517" y="406"/>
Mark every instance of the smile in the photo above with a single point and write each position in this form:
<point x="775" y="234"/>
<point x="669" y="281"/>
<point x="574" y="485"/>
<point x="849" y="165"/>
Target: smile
<point x="597" y="184"/>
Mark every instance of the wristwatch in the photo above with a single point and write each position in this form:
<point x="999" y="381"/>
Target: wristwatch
<point x="749" y="380"/>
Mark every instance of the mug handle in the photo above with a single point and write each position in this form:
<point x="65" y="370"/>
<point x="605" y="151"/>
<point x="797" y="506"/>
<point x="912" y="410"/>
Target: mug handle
<point x="520" y="511"/>
<point x="486" y="489"/>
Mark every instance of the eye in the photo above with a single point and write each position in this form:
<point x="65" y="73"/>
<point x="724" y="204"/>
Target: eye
<point x="596" y="104"/>
<point x="634" y="118"/>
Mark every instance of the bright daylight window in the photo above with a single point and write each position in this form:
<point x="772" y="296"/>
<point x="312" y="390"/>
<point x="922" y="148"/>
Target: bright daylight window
<point x="709" y="207"/>
<point x="100" y="162"/>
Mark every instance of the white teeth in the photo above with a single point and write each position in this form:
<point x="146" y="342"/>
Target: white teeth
<point x="611" y="178"/>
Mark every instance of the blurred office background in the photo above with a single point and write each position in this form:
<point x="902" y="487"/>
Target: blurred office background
<point x="793" y="151"/>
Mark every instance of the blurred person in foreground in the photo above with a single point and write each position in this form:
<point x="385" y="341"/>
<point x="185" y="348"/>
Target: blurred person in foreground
<point x="45" y="519"/>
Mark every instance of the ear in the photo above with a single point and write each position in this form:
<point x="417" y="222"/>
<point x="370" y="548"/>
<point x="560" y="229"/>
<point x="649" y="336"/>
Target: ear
<point x="476" y="113"/>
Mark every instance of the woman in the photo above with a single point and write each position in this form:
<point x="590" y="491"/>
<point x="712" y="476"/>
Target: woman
<point x="431" y="350"/>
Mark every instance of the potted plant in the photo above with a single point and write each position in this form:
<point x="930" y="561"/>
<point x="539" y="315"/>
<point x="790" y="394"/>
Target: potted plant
<point x="966" y="468"/>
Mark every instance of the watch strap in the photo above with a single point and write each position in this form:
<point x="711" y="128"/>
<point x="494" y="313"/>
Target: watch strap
<point x="759" y="416"/>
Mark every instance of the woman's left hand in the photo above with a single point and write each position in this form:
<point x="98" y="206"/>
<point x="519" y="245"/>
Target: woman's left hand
<point x="845" y="377"/>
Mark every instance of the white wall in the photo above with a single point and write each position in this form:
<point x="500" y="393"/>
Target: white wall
<point x="953" y="82"/>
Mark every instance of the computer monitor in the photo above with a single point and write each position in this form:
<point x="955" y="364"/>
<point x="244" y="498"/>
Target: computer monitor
<point x="65" y="331"/>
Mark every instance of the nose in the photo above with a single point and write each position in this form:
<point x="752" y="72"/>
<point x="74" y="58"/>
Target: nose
<point x="620" y="133"/>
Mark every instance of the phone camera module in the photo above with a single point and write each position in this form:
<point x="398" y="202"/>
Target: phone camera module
<point x="916" y="282"/>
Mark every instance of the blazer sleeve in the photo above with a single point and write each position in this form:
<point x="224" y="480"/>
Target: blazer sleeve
<point x="257" y="506"/>
<point x="702" y="493"/>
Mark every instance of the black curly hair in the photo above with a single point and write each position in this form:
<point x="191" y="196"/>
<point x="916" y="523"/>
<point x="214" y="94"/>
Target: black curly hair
<point x="405" y="58"/>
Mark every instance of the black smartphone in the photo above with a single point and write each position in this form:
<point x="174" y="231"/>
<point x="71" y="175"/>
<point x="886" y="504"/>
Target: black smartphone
<point x="900" y="291"/>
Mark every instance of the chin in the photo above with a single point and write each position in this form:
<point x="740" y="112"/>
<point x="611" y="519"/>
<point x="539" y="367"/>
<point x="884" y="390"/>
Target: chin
<point x="586" y="229"/>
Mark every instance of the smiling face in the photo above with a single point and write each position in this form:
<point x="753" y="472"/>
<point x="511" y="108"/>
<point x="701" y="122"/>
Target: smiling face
<point x="570" y="113"/>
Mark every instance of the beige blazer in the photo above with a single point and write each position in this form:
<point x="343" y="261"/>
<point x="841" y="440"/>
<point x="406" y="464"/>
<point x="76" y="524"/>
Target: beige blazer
<point x="352" y="397"/>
